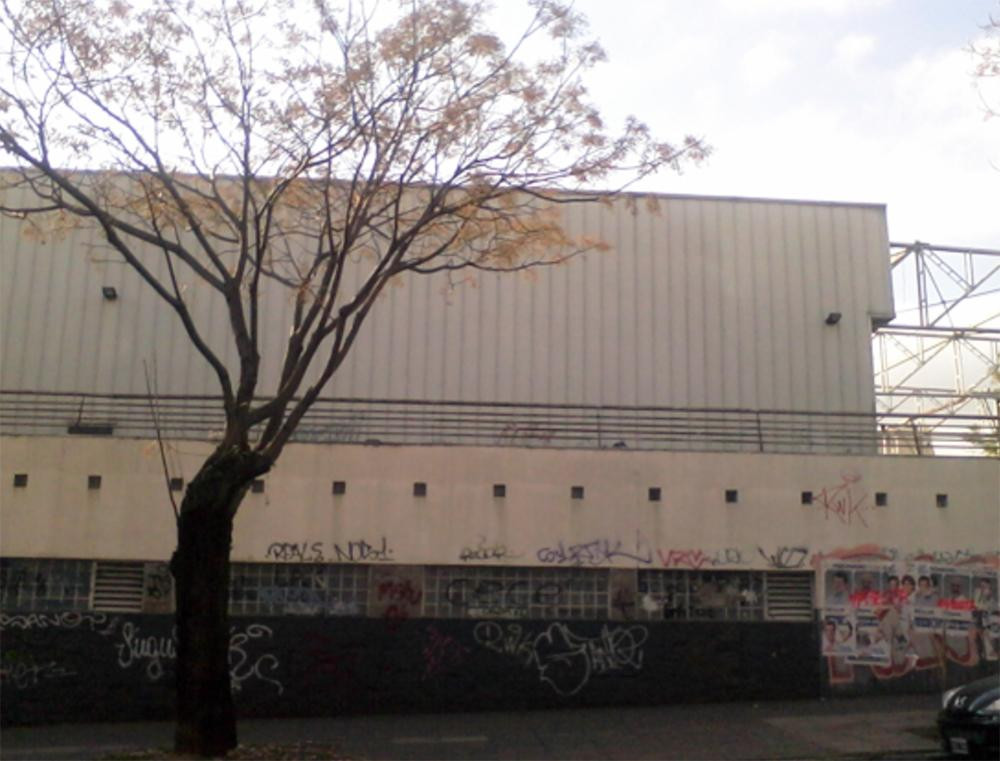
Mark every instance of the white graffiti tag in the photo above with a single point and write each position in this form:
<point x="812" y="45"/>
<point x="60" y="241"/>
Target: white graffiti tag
<point x="153" y="652"/>
<point x="564" y="660"/>
<point x="241" y="668"/>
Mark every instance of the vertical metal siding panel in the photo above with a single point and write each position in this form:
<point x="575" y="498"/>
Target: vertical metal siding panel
<point x="470" y="330"/>
<point x="698" y="393"/>
<point x="809" y="306"/>
<point x="765" y="346"/>
<point x="556" y="311"/>
<point x="778" y="288"/>
<point x="11" y="244"/>
<point x="626" y="339"/>
<point x="659" y="305"/>
<point x="607" y="314"/>
<point x="732" y="290"/>
<point x="682" y="294"/>
<point x="851" y="304"/>
<point x="519" y="316"/>
<point x="824" y="299"/>
<point x="643" y="304"/>
<point x="576" y="328"/>
<point x="18" y="322"/>
<point x="489" y="339"/>
<point x="452" y="356"/>
<point x="878" y="277"/>
<point x="867" y="253"/>
<point x="84" y="334"/>
<point x="799" y="349"/>
<point x="746" y="329"/>
<point x="590" y="365"/>
<point x="506" y="342"/>
<point x="712" y="305"/>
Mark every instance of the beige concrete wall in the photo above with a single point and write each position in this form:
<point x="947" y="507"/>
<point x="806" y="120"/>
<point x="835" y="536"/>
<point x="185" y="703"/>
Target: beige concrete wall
<point x="537" y="523"/>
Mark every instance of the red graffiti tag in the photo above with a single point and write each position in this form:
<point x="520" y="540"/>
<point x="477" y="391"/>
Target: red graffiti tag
<point x="845" y="501"/>
<point x="684" y="558"/>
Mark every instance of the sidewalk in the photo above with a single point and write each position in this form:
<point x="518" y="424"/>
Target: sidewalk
<point x="860" y="728"/>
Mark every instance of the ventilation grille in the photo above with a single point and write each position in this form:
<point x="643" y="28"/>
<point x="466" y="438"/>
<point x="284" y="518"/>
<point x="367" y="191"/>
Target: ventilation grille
<point x="789" y="596"/>
<point x="118" y="587"/>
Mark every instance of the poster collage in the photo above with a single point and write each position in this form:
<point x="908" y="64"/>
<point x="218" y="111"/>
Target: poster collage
<point x="882" y="613"/>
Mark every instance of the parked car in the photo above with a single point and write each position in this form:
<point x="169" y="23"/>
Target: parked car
<point x="969" y="721"/>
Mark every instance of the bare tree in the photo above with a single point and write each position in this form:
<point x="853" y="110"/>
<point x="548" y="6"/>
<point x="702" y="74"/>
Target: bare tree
<point x="986" y="54"/>
<point x="244" y="141"/>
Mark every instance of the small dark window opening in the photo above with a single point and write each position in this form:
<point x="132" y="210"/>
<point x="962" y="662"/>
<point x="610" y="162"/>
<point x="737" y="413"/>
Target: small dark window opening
<point x="576" y="492"/>
<point x="654" y="494"/>
<point x="93" y="482"/>
<point x="807" y="498"/>
<point x="20" y="480"/>
<point x="499" y="490"/>
<point x="340" y="487"/>
<point x="176" y="484"/>
<point x="732" y="496"/>
<point x="942" y="500"/>
<point x="90" y="429"/>
<point x="257" y="486"/>
<point x="419" y="489"/>
<point x="881" y="499"/>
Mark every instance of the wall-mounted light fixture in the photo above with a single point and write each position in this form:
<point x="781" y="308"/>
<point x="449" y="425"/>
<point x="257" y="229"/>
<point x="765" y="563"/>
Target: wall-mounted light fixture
<point x="833" y="318"/>
<point x="109" y="292"/>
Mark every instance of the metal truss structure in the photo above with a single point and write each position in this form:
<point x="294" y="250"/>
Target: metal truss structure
<point x="941" y="353"/>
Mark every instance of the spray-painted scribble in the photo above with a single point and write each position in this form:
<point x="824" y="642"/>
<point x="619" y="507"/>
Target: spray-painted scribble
<point x="484" y="551"/>
<point x="564" y="660"/>
<point x="243" y="666"/>
<point x="847" y="501"/>
<point x="596" y="552"/>
<point x="21" y="671"/>
<point x="97" y="622"/>
<point x="152" y="653"/>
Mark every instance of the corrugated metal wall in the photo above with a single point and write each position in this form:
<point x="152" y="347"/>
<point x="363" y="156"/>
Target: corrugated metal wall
<point x="706" y="302"/>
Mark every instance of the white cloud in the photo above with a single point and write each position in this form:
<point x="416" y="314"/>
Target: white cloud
<point x="764" y="64"/>
<point x="853" y="49"/>
<point x="829" y="7"/>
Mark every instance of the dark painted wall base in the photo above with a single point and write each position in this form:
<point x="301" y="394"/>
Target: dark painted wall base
<point x="92" y="666"/>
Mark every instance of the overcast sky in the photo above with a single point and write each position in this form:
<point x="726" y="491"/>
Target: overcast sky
<point x="847" y="100"/>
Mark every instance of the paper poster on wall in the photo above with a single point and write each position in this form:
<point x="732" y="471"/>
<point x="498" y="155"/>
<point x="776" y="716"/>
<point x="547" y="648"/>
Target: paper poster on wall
<point x="904" y="615"/>
<point x="926" y="611"/>
<point x="838" y="633"/>
<point x="986" y="613"/>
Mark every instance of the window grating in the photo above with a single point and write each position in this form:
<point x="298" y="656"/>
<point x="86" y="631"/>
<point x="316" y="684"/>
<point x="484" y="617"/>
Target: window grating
<point x="701" y="595"/>
<point x="298" y="589"/>
<point x="789" y="596"/>
<point x="119" y="586"/>
<point x="45" y="584"/>
<point x="476" y="592"/>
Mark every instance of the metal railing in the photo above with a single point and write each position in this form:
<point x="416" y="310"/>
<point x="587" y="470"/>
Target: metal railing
<point x="571" y="426"/>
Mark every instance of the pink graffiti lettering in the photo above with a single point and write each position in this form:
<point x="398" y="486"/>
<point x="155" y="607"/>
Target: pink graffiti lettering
<point x="684" y="558"/>
<point x="846" y="501"/>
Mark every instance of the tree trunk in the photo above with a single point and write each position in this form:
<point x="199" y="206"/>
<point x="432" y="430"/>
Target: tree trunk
<point x="206" y="719"/>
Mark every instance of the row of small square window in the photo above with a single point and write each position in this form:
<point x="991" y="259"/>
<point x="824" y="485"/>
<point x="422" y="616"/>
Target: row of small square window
<point x="655" y="493"/>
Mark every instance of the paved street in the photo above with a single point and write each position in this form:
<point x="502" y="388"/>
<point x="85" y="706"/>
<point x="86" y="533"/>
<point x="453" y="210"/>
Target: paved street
<point x="864" y="728"/>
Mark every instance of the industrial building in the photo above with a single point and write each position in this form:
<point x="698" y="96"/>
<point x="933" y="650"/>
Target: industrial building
<point x="629" y="478"/>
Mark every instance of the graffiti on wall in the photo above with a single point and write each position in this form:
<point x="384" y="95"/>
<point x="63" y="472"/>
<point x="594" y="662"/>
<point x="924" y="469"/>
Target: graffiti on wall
<point x="845" y="501"/>
<point x="597" y="552"/>
<point x="483" y="551"/>
<point x="358" y="551"/>
<point x="564" y="660"/>
<point x="21" y="670"/>
<point x="97" y="622"/>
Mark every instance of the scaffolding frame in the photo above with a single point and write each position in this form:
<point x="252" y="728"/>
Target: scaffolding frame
<point x="946" y="361"/>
